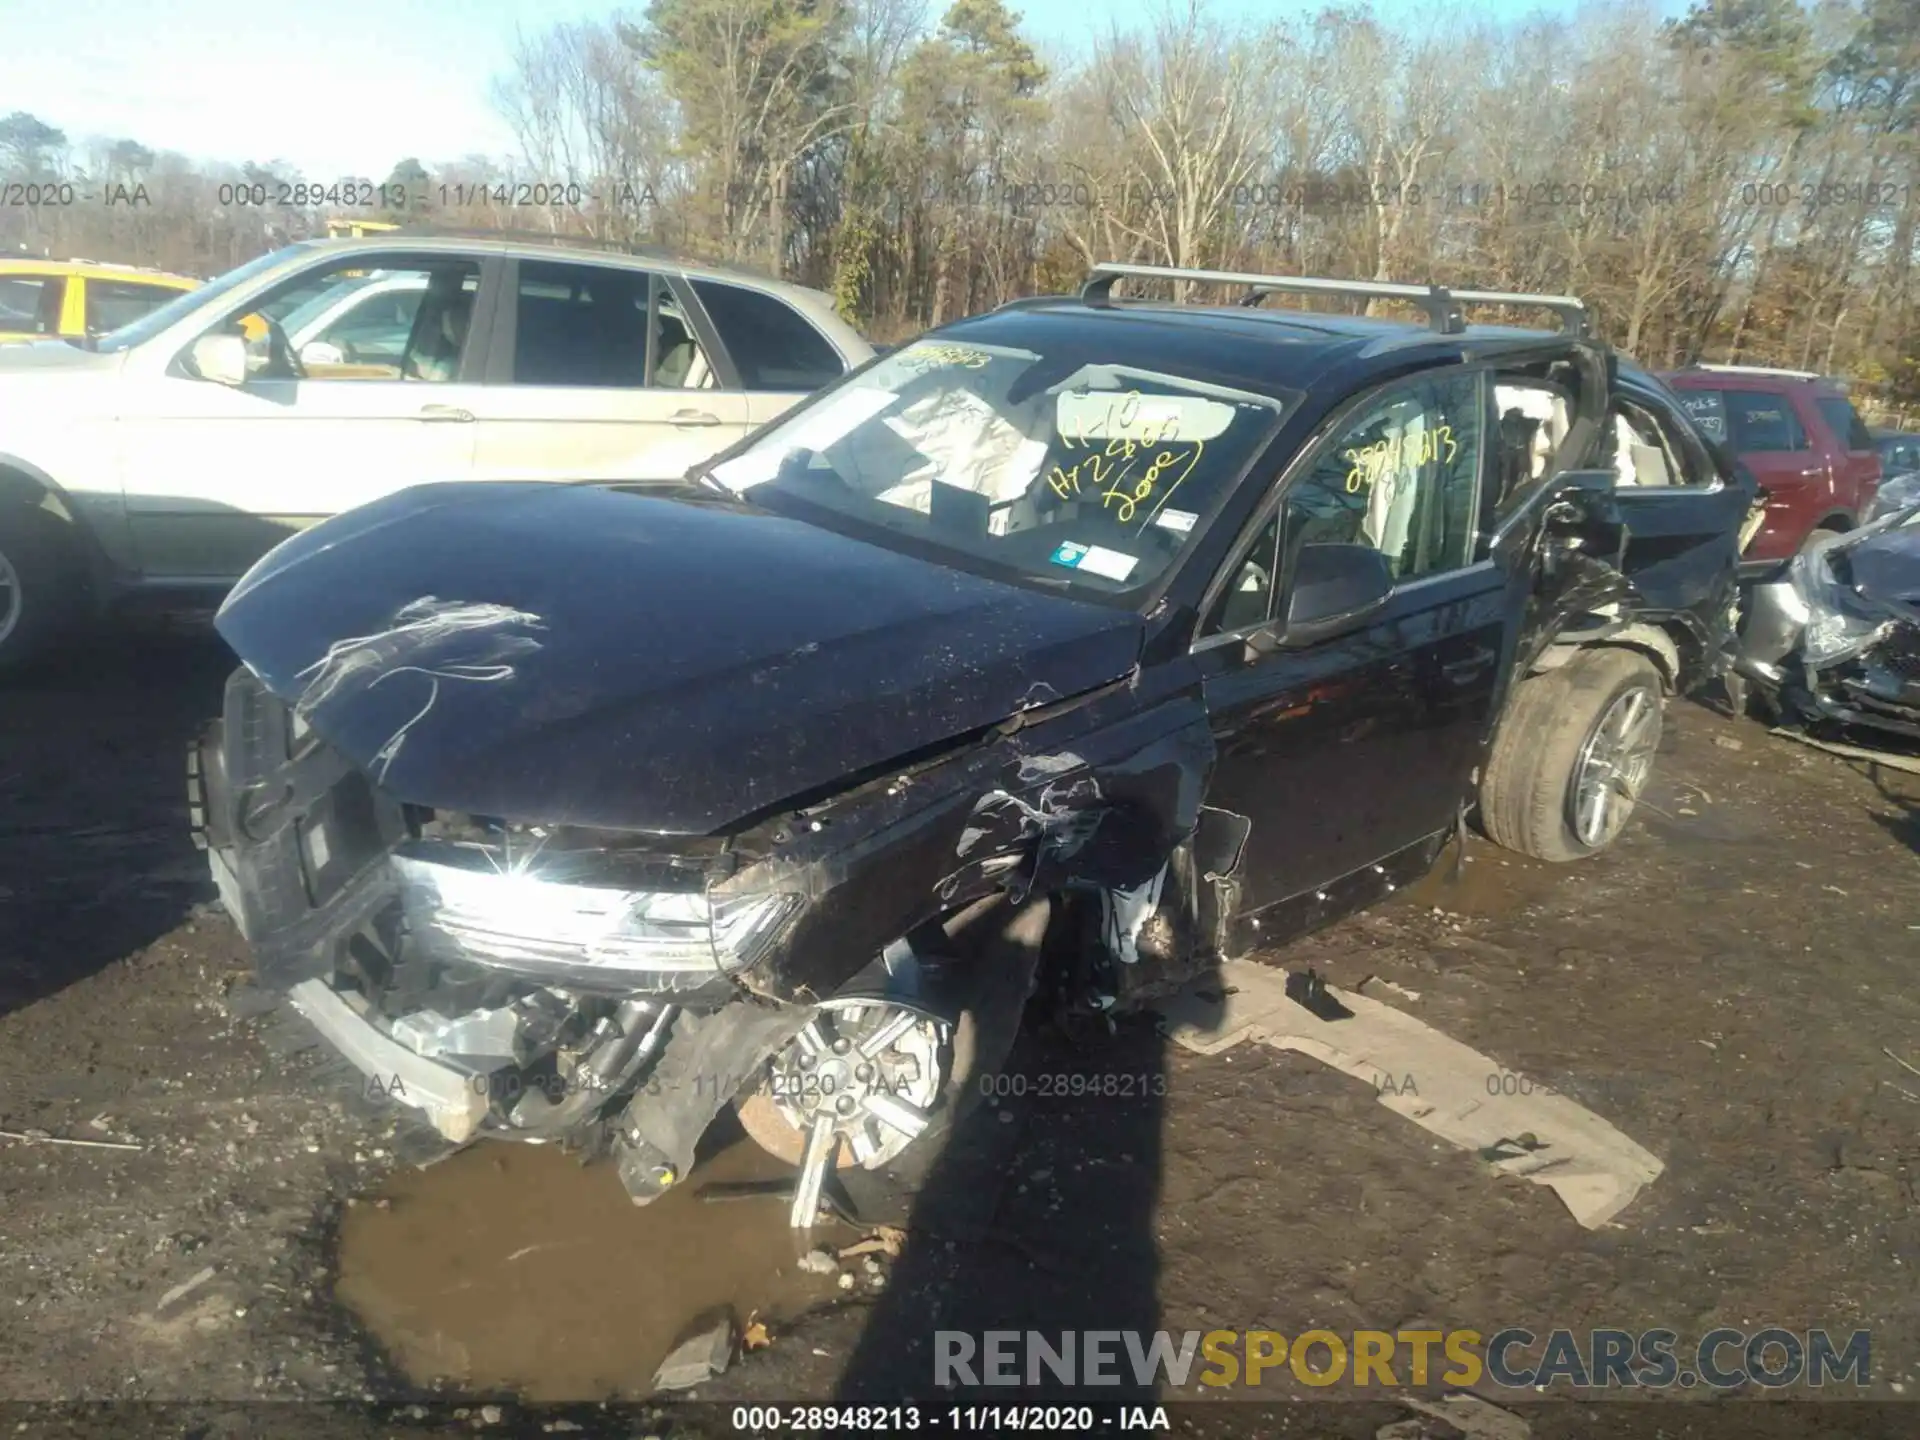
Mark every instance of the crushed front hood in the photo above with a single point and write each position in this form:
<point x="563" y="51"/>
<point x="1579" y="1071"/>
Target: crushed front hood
<point x="587" y="656"/>
<point x="1886" y="567"/>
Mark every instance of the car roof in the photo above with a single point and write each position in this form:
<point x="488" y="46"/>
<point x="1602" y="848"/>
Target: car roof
<point x="1268" y="349"/>
<point x="585" y="253"/>
<point x="100" y="269"/>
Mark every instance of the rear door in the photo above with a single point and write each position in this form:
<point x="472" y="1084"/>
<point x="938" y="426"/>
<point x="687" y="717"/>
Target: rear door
<point x="1856" y="460"/>
<point x="1764" y="429"/>
<point x="599" y="373"/>
<point x="1683" y="513"/>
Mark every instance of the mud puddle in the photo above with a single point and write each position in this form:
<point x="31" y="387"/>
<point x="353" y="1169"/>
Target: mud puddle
<point x="515" y="1268"/>
<point x="1491" y="885"/>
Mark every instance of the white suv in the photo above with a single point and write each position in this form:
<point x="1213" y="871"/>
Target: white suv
<point x="169" y="455"/>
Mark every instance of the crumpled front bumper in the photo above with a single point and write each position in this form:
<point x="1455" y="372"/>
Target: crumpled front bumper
<point x="449" y="1098"/>
<point x="304" y="849"/>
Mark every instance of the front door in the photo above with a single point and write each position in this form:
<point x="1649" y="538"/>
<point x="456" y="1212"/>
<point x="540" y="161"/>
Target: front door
<point x="216" y="475"/>
<point x="581" y="391"/>
<point x="1342" y="753"/>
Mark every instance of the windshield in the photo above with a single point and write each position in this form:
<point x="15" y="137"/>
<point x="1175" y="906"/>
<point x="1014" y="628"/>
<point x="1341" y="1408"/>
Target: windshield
<point x="1086" y="475"/>
<point x="155" y="321"/>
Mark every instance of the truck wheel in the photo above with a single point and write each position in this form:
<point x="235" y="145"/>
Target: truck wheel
<point x="41" y="584"/>
<point x="1573" y="753"/>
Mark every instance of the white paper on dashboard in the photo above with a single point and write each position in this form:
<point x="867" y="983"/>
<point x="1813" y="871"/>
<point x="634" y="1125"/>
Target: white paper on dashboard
<point x="820" y="427"/>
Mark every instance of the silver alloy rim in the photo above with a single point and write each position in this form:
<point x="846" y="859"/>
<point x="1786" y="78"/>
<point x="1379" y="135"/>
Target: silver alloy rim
<point x="9" y="597"/>
<point x="863" y="1074"/>
<point x="1614" y="765"/>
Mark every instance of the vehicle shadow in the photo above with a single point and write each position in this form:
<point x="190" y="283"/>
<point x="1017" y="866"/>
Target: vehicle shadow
<point x="1901" y="790"/>
<point x="96" y="860"/>
<point x="1038" y="1216"/>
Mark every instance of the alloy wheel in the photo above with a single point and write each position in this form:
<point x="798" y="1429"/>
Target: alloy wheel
<point x="1613" y="766"/>
<point x="856" y="1086"/>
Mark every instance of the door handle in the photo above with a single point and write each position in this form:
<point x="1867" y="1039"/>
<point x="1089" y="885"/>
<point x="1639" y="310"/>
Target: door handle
<point x="694" y="417"/>
<point x="446" y="413"/>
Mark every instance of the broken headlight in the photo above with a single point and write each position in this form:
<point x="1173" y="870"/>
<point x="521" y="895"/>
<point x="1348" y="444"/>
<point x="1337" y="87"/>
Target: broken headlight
<point x="525" y="921"/>
<point x="1837" y="628"/>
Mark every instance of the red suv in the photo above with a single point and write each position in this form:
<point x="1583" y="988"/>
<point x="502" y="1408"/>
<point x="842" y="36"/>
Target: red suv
<point x="1800" y="436"/>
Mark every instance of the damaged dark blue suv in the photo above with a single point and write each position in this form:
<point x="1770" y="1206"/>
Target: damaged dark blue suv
<point x="590" y="810"/>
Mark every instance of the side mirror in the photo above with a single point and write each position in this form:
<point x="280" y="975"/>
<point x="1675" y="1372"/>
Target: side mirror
<point x="322" y="352"/>
<point x="1334" y="589"/>
<point x="220" y="358"/>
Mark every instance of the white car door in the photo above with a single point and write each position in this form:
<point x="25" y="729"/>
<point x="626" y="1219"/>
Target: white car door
<point x="215" y="475"/>
<point x="572" y="398"/>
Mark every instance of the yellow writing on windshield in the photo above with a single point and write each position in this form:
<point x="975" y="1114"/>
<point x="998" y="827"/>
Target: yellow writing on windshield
<point x="1398" y="454"/>
<point x="1122" y="498"/>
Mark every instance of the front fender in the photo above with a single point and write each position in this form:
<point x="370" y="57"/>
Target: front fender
<point x="1097" y="798"/>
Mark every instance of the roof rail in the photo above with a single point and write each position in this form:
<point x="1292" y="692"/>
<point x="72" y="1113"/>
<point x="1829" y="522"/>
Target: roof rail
<point x="585" y="242"/>
<point x="512" y="237"/>
<point x="1441" y="304"/>
<point x="1759" y="370"/>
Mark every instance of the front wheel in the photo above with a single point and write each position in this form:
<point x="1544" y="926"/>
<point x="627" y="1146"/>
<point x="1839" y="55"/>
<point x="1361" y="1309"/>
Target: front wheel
<point x="870" y="1077"/>
<point x="1573" y="755"/>
<point x="41" y="583"/>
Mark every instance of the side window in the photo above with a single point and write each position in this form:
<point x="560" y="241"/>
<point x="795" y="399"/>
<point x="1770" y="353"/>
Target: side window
<point x="1644" y="449"/>
<point x="1532" y="419"/>
<point x="1761" y="422"/>
<point x="371" y="327"/>
<point x="288" y="330"/>
<point x="1844" y="421"/>
<point x="771" y="343"/>
<point x="1403" y="475"/>
<point x="580" y="325"/>
<point x="30" y="304"/>
<point x="1708" y="411"/>
<point x="1247" y="599"/>
<point x="113" y="303"/>
<point x="679" y="360"/>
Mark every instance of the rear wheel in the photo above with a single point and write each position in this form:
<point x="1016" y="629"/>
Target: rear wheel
<point x="41" y="582"/>
<point x="1573" y="754"/>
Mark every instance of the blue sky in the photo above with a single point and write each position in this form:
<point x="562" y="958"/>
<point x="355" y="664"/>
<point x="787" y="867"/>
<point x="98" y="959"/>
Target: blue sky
<point x="348" y="87"/>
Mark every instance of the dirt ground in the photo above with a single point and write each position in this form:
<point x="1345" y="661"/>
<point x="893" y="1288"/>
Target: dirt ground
<point x="1722" y="986"/>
